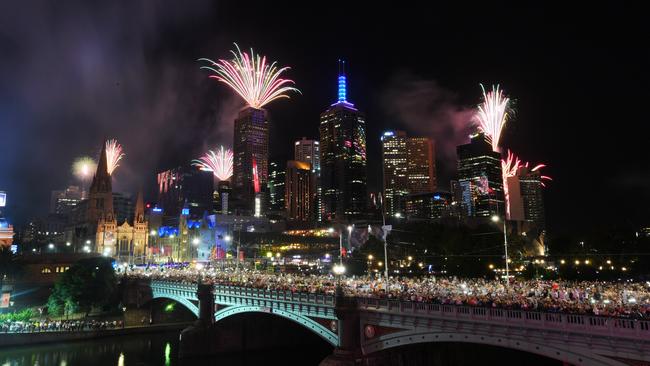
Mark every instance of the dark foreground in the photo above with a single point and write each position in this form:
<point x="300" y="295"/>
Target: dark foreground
<point x="162" y="349"/>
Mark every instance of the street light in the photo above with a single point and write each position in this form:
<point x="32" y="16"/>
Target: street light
<point x="196" y="241"/>
<point x="339" y="270"/>
<point x="67" y="243"/>
<point x="51" y="246"/>
<point x="495" y="219"/>
<point x="152" y="233"/>
<point x="370" y="257"/>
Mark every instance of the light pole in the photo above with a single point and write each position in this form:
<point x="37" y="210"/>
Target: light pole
<point x="496" y="218"/>
<point x="350" y="228"/>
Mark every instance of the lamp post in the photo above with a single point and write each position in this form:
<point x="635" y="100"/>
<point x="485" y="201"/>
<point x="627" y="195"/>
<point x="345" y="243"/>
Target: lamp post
<point x="496" y="218"/>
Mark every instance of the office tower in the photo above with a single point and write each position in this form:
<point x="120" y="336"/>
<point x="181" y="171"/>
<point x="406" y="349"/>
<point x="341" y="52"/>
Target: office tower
<point x="299" y="191"/>
<point x="408" y="168"/>
<point x="185" y="185"/>
<point x="308" y="150"/>
<point x="421" y="165"/>
<point x="250" y="153"/>
<point x="276" y="187"/>
<point x="428" y="206"/>
<point x="343" y="158"/>
<point x="395" y="170"/>
<point x="479" y="178"/>
<point x="525" y="197"/>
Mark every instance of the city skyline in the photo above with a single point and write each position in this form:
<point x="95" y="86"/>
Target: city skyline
<point x="574" y="153"/>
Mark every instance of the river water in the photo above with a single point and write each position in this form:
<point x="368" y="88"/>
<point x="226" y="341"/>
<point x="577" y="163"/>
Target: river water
<point x="142" y="349"/>
<point x="161" y="349"/>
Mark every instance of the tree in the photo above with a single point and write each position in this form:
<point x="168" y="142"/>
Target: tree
<point x="88" y="283"/>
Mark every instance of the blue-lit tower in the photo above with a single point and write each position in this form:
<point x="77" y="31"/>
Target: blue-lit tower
<point x="343" y="157"/>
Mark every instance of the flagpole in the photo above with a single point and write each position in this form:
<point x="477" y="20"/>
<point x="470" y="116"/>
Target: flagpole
<point x="340" y="247"/>
<point x="383" y="235"/>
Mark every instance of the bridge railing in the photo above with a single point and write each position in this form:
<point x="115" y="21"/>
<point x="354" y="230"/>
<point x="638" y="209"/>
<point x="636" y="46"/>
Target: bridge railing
<point x="621" y="327"/>
<point x="288" y="296"/>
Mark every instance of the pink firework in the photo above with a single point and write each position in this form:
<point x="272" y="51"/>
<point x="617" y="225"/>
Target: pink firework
<point x="219" y="163"/>
<point x="113" y="155"/>
<point x="251" y="77"/>
<point x="542" y="177"/>
<point x="492" y="114"/>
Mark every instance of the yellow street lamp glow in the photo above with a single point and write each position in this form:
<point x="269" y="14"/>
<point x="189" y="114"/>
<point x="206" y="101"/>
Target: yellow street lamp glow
<point x="370" y="257"/>
<point x="609" y="262"/>
<point x="495" y="218"/>
<point x="562" y="261"/>
<point x="421" y="264"/>
<point x="491" y="266"/>
<point x="410" y="258"/>
<point x="339" y="269"/>
<point x="577" y="262"/>
<point x="587" y="261"/>
<point x="269" y="255"/>
<point x="277" y="255"/>
<point x="624" y="269"/>
<point x="380" y="264"/>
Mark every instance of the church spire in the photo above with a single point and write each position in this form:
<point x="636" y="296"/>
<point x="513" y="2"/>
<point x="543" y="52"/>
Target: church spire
<point x="102" y="180"/>
<point x="139" y="208"/>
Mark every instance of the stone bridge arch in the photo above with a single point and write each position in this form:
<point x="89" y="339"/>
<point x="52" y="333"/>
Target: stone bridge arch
<point x="314" y="326"/>
<point x="181" y="300"/>
<point x="569" y="354"/>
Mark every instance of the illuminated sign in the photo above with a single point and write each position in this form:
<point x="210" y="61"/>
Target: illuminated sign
<point x="436" y="197"/>
<point x="3" y="199"/>
<point x="157" y="209"/>
<point x="185" y="211"/>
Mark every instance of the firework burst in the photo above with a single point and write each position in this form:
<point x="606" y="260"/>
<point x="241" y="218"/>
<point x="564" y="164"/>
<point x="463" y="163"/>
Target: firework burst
<point x="510" y="167"/>
<point x="219" y="163"/>
<point x="113" y="155"/>
<point x="251" y="77"/>
<point x="492" y="114"/>
<point x="83" y="167"/>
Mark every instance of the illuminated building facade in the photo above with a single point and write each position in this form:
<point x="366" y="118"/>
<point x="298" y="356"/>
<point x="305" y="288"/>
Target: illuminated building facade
<point x="343" y="158"/>
<point x="479" y="178"/>
<point x="299" y="191"/>
<point x="6" y="229"/>
<point x="421" y="165"/>
<point x="408" y="168"/>
<point x="308" y="150"/>
<point x="525" y="197"/>
<point x="250" y="150"/>
<point x="395" y="172"/>
<point x="428" y="206"/>
<point x="276" y="188"/>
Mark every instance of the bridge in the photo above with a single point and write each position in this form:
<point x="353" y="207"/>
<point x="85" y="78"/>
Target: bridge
<point x="361" y="327"/>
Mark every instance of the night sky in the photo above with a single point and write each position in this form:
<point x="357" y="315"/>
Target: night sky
<point x="75" y="72"/>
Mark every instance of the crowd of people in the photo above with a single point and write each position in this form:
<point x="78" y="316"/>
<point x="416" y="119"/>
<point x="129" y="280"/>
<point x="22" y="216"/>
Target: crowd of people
<point x="615" y="299"/>
<point x="58" y="326"/>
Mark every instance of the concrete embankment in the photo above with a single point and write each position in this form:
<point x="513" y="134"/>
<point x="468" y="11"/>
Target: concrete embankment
<point x="24" y="339"/>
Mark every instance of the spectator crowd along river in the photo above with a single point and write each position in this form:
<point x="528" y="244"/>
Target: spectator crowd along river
<point x="616" y="299"/>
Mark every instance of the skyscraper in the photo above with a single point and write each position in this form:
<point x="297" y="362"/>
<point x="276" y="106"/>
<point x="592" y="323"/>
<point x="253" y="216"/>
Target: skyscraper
<point x="276" y="187"/>
<point x="408" y="168"/>
<point x="395" y="172"/>
<point x="250" y="150"/>
<point x="343" y="158"/>
<point x="421" y="165"/>
<point x="479" y="178"/>
<point x="308" y="150"/>
<point x="299" y="191"/>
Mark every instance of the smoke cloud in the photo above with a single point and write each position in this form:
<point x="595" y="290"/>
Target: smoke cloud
<point x="424" y="108"/>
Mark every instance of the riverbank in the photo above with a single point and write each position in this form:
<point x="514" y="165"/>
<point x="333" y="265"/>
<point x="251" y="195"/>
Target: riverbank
<point x="28" y="339"/>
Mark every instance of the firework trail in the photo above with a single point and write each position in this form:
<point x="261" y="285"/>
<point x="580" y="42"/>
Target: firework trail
<point x="113" y="155"/>
<point x="83" y="167"/>
<point x="219" y="163"/>
<point x="251" y="77"/>
<point x="492" y="114"/>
